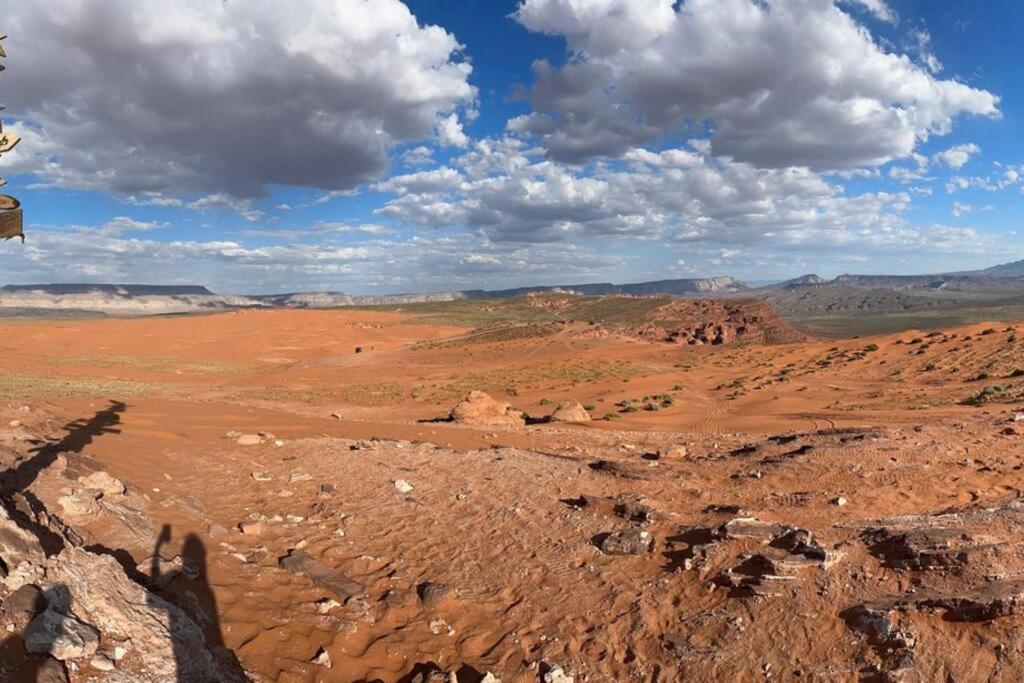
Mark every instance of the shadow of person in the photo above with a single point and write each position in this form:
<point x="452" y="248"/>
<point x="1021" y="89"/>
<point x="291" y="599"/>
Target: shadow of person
<point x="195" y="600"/>
<point x="193" y="555"/>
<point x="78" y="434"/>
<point x="16" y="480"/>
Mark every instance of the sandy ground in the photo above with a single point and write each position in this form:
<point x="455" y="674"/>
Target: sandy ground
<point x="840" y="438"/>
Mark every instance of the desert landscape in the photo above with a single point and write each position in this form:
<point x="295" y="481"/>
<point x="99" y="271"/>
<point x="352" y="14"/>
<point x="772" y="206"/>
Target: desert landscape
<point x="549" y="487"/>
<point x="511" y="341"/>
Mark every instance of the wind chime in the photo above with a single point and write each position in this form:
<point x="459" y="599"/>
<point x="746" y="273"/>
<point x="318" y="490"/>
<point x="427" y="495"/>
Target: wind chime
<point x="10" y="208"/>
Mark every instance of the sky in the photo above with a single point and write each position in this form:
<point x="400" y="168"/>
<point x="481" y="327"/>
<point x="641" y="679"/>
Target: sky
<point x="381" y="146"/>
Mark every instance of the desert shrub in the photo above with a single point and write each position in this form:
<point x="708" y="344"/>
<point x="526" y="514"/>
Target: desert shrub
<point x="984" y="395"/>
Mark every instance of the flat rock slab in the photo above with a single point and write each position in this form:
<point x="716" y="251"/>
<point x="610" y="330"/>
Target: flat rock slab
<point x="627" y="507"/>
<point x="988" y="602"/>
<point x="749" y="527"/>
<point x="626" y="542"/>
<point x="922" y="548"/>
<point x="322" y="574"/>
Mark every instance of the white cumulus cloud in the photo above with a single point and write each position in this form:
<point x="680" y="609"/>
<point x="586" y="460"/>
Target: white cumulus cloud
<point x="777" y="82"/>
<point x="205" y="96"/>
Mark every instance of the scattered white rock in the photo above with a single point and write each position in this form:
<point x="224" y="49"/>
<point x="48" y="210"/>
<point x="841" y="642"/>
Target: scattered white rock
<point x="673" y="452"/>
<point x="322" y="658"/>
<point x="839" y="501"/>
<point x="103" y="482"/>
<point x="102" y="662"/>
<point x="62" y="636"/>
<point x="556" y="675"/>
<point x="325" y="605"/>
<point x="403" y="486"/>
<point x="440" y="626"/>
<point x="251" y="528"/>
<point x="249" y="440"/>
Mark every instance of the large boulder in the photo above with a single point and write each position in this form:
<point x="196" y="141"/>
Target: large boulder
<point x="570" y="410"/>
<point x="480" y="409"/>
<point x="164" y="644"/>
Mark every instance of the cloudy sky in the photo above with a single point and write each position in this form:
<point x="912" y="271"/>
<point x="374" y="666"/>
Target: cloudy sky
<point x="385" y="146"/>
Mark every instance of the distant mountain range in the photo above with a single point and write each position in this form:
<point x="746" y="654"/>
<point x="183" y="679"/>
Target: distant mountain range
<point x="805" y="295"/>
<point x="121" y="290"/>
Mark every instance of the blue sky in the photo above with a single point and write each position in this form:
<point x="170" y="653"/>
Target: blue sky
<point x="436" y="144"/>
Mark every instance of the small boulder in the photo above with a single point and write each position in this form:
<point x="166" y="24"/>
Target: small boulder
<point x="249" y="440"/>
<point x="626" y="542"/>
<point x="251" y="528"/>
<point x="402" y="486"/>
<point x="479" y="408"/>
<point x="673" y="452"/>
<point x="570" y="410"/>
<point x="60" y="635"/>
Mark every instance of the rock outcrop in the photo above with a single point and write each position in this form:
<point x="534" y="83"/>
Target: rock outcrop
<point x="480" y="409"/>
<point x="21" y="555"/>
<point x="162" y="642"/>
<point x="570" y="410"/>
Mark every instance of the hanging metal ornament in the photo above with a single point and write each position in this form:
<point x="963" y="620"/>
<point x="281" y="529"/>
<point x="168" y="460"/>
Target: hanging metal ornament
<point x="11" y="218"/>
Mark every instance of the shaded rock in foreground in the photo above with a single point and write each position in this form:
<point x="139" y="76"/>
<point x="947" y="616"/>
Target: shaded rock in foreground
<point x="21" y="556"/>
<point x="162" y="641"/>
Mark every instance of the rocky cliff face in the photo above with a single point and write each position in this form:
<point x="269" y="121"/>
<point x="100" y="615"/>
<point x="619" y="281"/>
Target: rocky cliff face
<point x="337" y="299"/>
<point x="114" y="303"/>
<point x="715" y="322"/>
<point x="160" y="300"/>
